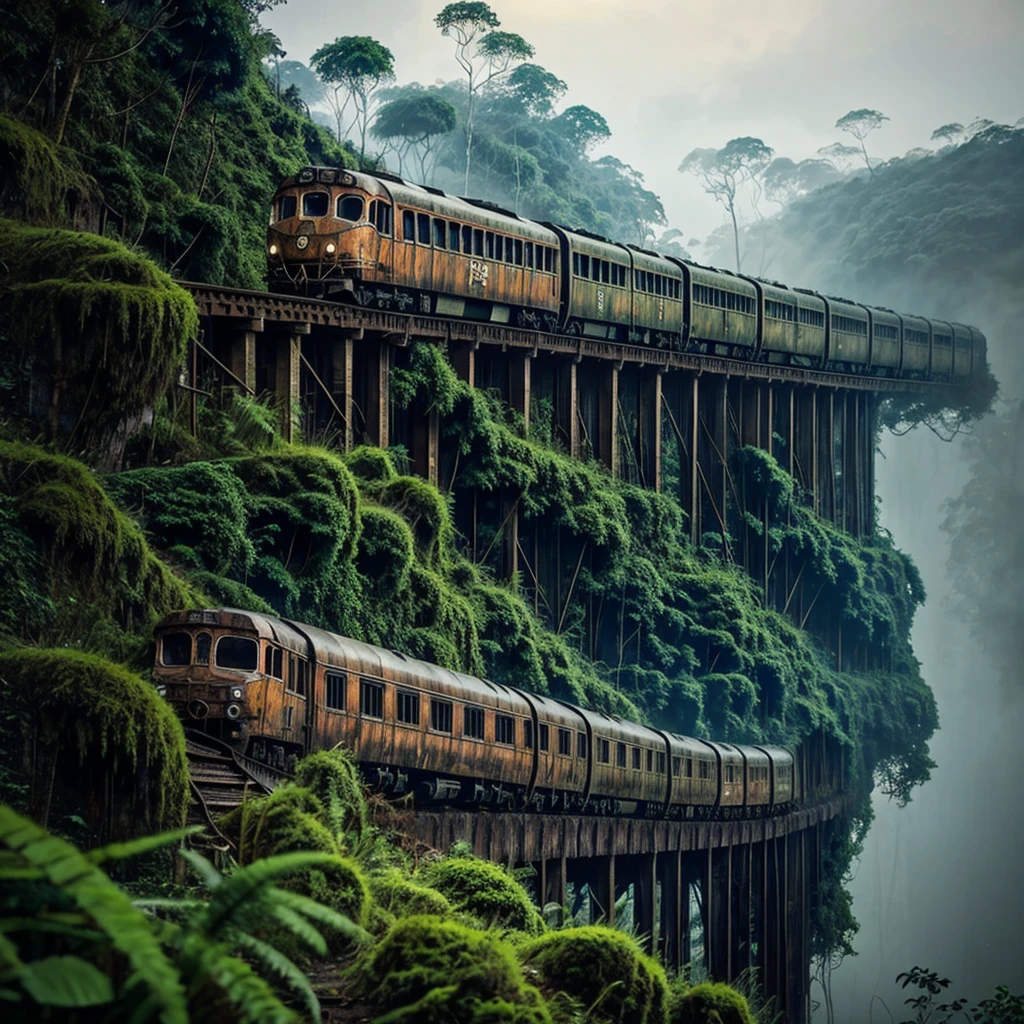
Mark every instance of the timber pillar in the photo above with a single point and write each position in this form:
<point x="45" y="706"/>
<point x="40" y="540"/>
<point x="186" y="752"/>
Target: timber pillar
<point x="287" y="380"/>
<point x="242" y="354"/>
<point x="375" y="359"/>
<point x="341" y="354"/>
<point x="608" y="418"/>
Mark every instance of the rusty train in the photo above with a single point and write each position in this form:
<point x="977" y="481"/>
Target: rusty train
<point x="269" y="690"/>
<point x="378" y="241"/>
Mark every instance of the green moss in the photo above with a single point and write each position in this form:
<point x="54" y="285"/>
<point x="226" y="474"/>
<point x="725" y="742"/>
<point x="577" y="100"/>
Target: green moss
<point x="712" y="1003"/>
<point x="602" y="969"/>
<point x="340" y="885"/>
<point x="486" y="891"/>
<point x="289" y="818"/>
<point x="333" y="778"/>
<point x="402" y="897"/>
<point x="426" y="970"/>
<point x="103" y="324"/>
<point x="115" y="746"/>
<point x="373" y="465"/>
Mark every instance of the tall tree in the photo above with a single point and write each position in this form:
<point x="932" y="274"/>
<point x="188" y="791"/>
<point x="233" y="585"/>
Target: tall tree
<point x="723" y="172"/>
<point x="840" y="155"/>
<point x="582" y="127"/>
<point x="535" y="89"/>
<point x="860" y="124"/>
<point x="414" y="123"/>
<point x="785" y="180"/>
<point x="483" y="53"/>
<point x="356" y="66"/>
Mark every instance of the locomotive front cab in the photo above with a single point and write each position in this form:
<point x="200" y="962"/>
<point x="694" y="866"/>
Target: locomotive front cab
<point x="207" y="668"/>
<point x="326" y="230"/>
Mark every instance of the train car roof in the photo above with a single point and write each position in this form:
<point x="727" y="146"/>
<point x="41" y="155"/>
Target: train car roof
<point x="619" y="729"/>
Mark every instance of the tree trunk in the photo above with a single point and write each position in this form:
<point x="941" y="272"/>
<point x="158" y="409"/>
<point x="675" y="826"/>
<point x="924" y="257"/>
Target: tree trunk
<point x="65" y="109"/>
<point x="469" y="141"/>
<point x="209" y="155"/>
<point x="735" y="233"/>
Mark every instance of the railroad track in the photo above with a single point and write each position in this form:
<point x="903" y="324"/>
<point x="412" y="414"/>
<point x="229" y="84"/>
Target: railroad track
<point x="219" y="782"/>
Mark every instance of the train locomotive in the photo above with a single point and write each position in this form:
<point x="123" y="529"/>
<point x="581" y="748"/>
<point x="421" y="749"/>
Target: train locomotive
<point x="271" y="690"/>
<point x="380" y="242"/>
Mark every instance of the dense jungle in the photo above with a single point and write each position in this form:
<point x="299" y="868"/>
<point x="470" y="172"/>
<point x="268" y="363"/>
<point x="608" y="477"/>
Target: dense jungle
<point x="140" y="144"/>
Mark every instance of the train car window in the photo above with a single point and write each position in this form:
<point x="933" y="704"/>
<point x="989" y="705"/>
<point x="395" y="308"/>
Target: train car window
<point x="603" y="751"/>
<point x="944" y="340"/>
<point x="380" y="214"/>
<point x="440" y="715"/>
<point x="408" y="707"/>
<point x="565" y="742"/>
<point x="661" y="764"/>
<point x="478" y="241"/>
<point x="453" y="236"/>
<point x="337" y="687"/>
<point x="730" y="773"/>
<point x="350" y="208"/>
<point x="315" y="204"/>
<point x="300" y="682"/>
<point x="527" y="254"/>
<point x="886" y="331"/>
<point x="576" y="264"/>
<point x="704" y="769"/>
<point x="473" y="723"/>
<point x="581" y="744"/>
<point x="849" y="325"/>
<point x="467" y="240"/>
<point x="505" y="730"/>
<point x="499" y="247"/>
<point x="812" y="317"/>
<point x="549" y="260"/>
<point x="650" y="760"/>
<point x="620" y="755"/>
<point x="595" y="269"/>
<point x="519" y="252"/>
<point x="489" y="244"/>
<point x="423" y="228"/>
<point x="606" y="272"/>
<point x="637" y="758"/>
<point x="203" y="642"/>
<point x="287" y="717"/>
<point x="584" y="265"/>
<point x="677" y="765"/>
<point x="689" y="767"/>
<point x="510" y="251"/>
<point x="408" y="226"/>
<point x="915" y="337"/>
<point x="237" y="652"/>
<point x="176" y="649"/>
<point x="286" y="207"/>
<point x="528" y="734"/>
<point x="440" y="233"/>
<point x="543" y="737"/>
<point x="371" y="699"/>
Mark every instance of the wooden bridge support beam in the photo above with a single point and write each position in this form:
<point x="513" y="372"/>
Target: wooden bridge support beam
<point x="462" y="356"/>
<point x="242" y="353"/>
<point x="374" y="391"/>
<point x="287" y="378"/>
<point x="608" y="418"/>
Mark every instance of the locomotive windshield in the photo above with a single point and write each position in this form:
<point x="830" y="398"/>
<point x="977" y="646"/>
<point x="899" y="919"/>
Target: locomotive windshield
<point x="177" y="649"/>
<point x="237" y="652"/>
<point x="315" y="204"/>
<point x="350" y="208"/>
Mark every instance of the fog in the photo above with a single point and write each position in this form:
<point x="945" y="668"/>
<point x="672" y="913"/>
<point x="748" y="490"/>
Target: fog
<point x="939" y="881"/>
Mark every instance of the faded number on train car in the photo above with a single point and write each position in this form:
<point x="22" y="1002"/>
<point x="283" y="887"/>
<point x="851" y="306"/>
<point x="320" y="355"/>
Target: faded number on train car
<point x="600" y="300"/>
<point x="478" y="271"/>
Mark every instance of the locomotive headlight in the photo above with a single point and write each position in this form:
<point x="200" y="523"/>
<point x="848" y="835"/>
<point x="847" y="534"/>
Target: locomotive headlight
<point x="161" y="689"/>
<point x="272" y="250"/>
<point x="302" y="241"/>
<point x="233" y="711"/>
<point x="237" y="692"/>
<point x="330" y="247"/>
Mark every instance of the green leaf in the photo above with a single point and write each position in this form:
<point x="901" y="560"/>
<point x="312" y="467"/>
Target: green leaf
<point x="208" y="874"/>
<point x="279" y="964"/>
<point x="321" y="915"/>
<point x="66" y="981"/>
<point x="137" y="847"/>
<point x="93" y="892"/>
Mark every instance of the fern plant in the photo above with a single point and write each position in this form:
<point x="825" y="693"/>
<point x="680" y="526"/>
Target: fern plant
<point x="70" y="937"/>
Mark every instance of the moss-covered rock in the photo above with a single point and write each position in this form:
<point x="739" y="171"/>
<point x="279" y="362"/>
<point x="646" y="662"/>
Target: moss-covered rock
<point x="711" y="1003"/>
<point x="430" y="971"/>
<point x="97" y="739"/>
<point x="486" y="891"/>
<point x="602" y="969"/>
<point x="333" y="778"/>
<point x="403" y="897"/>
<point x="341" y="885"/>
<point x="372" y="465"/>
<point x="290" y="818"/>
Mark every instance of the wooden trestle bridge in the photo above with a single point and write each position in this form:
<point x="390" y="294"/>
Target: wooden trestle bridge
<point x="659" y="419"/>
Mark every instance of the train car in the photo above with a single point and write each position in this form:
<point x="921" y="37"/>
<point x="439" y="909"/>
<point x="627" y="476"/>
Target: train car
<point x="963" y="351"/>
<point x="596" y="289"/>
<point x="731" y="776"/>
<point x="757" y="779"/>
<point x="782" y="775"/>
<point x="792" y="325"/>
<point x="886" y="341"/>
<point x="694" y="776"/>
<point x="562" y="777"/>
<point x="657" y="315"/>
<point x="849" y="334"/>
<point x="942" y="350"/>
<point x="917" y="350"/>
<point x="722" y="312"/>
<point x="620" y="778"/>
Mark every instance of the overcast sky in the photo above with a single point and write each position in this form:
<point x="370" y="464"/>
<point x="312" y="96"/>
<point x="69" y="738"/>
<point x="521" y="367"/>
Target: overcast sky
<point x="672" y="75"/>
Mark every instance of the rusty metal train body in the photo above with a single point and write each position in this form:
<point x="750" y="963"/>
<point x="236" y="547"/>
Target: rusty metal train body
<point x="381" y="242"/>
<point x="272" y="690"/>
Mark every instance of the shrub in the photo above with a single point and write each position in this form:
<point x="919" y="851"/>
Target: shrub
<point x="427" y="970"/>
<point x="398" y="895"/>
<point x="290" y="818"/>
<point x="333" y="778"/>
<point x="486" y="891"/>
<point x="712" y="1002"/>
<point x="601" y="968"/>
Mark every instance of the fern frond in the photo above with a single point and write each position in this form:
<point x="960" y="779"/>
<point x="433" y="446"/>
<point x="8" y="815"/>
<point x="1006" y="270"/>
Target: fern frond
<point x="294" y="923"/>
<point x="234" y="892"/>
<point x="208" y="874"/>
<point x="277" y="963"/>
<point x="321" y="915"/>
<point x="137" y="847"/>
<point x="93" y="892"/>
<point x="157" y="903"/>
